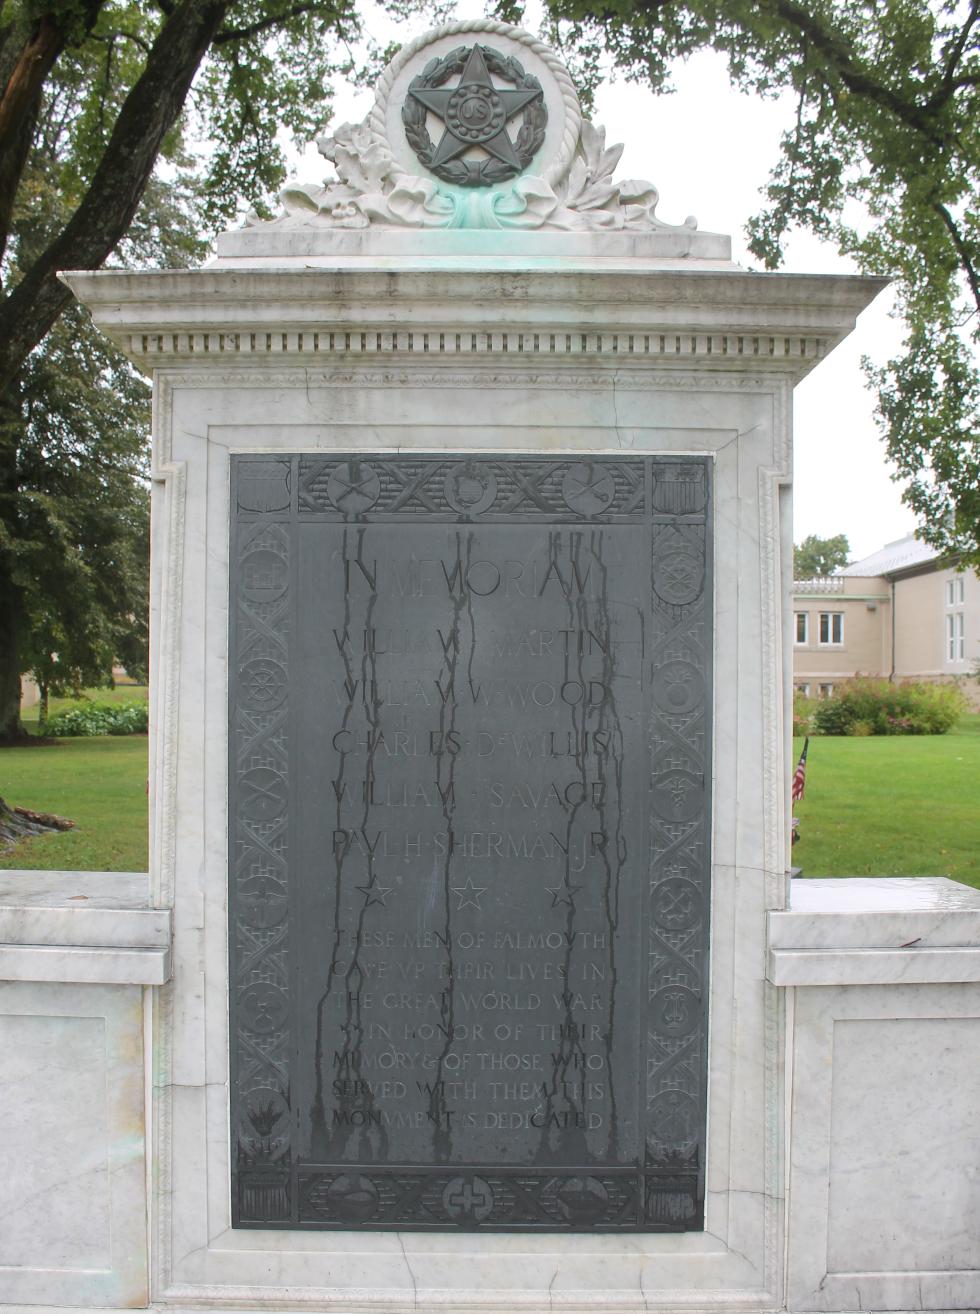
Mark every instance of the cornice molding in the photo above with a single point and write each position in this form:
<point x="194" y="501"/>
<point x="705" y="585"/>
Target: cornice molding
<point x="795" y="353"/>
<point x="726" y="319"/>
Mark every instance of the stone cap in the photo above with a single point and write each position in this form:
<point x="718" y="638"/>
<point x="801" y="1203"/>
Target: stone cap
<point x="272" y="246"/>
<point x="86" y="927"/>
<point x="876" y="931"/>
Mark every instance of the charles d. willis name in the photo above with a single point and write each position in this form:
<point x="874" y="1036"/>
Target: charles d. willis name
<point x="469" y="738"/>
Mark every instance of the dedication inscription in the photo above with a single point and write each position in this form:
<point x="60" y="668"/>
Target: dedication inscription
<point x="469" y="737"/>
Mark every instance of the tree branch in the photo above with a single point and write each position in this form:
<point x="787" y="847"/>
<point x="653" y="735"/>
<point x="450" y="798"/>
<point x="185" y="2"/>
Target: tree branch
<point x="856" y="79"/>
<point x="956" y="53"/>
<point x="105" y="212"/>
<point x="26" y="79"/>
<point x="962" y="250"/>
<point x="964" y="80"/>
<point x="28" y="69"/>
<point x="263" y="24"/>
<point x="12" y="162"/>
<point x="838" y="56"/>
<point x="123" y="36"/>
<point x="20" y="100"/>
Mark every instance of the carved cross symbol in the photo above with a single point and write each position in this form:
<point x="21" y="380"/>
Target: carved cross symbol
<point x="262" y="682"/>
<point x="351" y="488"/>
<point x="677" y="574"/>
<point x="262" y="888"/>
<point x="466" y="1199"/>
<point x="673" y="1115"/>
<point x="473" y="1198"/>
<point x="675" y="907"/>
<point x="356" y="481"/>
<point x="588" y="488"/>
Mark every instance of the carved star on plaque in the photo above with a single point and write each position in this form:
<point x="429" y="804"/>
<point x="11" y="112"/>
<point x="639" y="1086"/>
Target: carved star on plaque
<point x="475" y="113"/>
<point x="469" y="894"/>
<point x="562" y="894"/>
<point x="375" y="893"/>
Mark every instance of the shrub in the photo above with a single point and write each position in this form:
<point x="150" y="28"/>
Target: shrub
<point x="803" y="712"/>
<point x="100" y="719"/>
<point x="875" y="707"/>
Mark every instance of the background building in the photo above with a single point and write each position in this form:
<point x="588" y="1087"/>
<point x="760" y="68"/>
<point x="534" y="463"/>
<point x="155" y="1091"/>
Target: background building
<point x="902" y="613"/>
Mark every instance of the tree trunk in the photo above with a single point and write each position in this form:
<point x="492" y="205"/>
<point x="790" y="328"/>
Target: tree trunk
<point x="106" y="210"/>
<point x="11" y="600"/>
<point x="10" y="726"/>
<point x="42" y="706"/>
<point x="21" y="823"/>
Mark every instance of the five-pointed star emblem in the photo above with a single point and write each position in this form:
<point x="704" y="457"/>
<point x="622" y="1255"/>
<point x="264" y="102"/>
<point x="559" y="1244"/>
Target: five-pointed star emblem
<point x="375" y="893"/>
<point x="562" y="894"/>
<point x="475" y="113"/>
<point x="469" y="894"/>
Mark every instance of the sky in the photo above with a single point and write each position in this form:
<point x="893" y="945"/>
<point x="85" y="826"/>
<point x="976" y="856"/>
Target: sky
<point x="709" y="150"/>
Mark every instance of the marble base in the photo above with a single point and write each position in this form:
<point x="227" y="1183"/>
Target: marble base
<point x="72" y="1159"/>
<point x="884" y="1051"/>
<point x="76" y="950"/>
<point x="881" y="1145"/>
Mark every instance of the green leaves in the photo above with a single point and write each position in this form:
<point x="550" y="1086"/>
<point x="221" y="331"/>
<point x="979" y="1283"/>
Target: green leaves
<point x="929" y="400"/>
<point x="816" y="557"/>
<point x="888" y="117"/>
<point x="78" y="537"/>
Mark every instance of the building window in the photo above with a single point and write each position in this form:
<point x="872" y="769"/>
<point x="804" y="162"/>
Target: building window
<point x="803" y="690"/>
<point x="832" y="628"/>
<point x="954" y="636"/>
<point x="954" y="592"/>
<point x="802" y="627"/>
<point x="826" y="691"/>
<point x="955" y="647"/>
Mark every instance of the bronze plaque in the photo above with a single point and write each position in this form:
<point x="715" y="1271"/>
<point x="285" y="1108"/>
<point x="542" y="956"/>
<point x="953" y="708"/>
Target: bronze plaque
<point x="469" y="799"/>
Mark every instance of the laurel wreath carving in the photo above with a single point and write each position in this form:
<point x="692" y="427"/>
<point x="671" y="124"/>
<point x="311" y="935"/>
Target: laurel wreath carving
<point x="475" y="173"/>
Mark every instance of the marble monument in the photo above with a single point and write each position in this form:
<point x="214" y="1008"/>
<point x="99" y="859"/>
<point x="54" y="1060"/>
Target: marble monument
<point x="467" y="975"/>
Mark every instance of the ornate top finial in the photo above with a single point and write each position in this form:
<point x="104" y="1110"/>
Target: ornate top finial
<point x="474" y="135"/>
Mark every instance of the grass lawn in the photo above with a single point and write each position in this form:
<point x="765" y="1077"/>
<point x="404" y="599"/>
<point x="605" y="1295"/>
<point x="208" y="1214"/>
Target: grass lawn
<point x="896" y="806"/>
<point x="99" y="783"/>
<point x="892" y="806"/>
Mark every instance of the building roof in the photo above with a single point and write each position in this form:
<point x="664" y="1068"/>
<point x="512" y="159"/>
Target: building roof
<point x="893" y="558"/>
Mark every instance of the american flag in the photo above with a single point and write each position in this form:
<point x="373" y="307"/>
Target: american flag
<point x="799" y="775"/>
